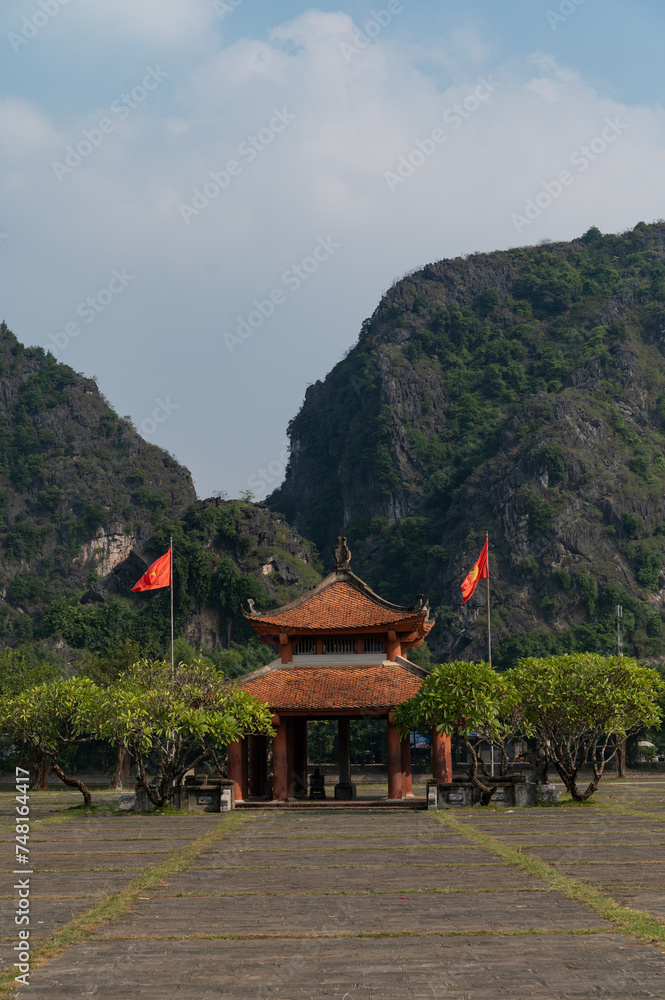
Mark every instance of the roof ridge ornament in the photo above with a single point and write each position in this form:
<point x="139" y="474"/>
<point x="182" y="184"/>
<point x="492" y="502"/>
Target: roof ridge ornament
<point x="342" y="554"/>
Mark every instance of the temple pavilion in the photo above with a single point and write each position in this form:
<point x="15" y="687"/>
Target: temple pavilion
<point x="341" y="656"/>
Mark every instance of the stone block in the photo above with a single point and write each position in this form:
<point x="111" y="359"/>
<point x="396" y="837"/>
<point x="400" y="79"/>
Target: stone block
<point x="345" y="790"/>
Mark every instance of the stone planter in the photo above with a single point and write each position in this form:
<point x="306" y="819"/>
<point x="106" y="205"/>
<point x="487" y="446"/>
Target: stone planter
<point x="515" y="792"/>
<point x="206" y="794"/>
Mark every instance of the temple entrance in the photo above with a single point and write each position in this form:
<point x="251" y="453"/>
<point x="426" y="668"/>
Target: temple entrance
<point x="341" y="657"/>
<point x="280" y="769"/>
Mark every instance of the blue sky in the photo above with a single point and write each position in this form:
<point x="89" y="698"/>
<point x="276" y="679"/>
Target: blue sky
<point x="205" y="316"/>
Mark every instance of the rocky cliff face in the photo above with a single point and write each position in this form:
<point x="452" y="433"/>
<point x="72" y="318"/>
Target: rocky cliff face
<point x="520" y="393"/>
<point x="78" y="486"/>
<point x="86" y="505"/>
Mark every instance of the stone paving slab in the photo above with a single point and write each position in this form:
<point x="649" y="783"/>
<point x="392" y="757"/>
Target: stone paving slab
<point x="289" y="828"/>
<point x="636" y="875"/>
<point x="600" y="853"/>
<point x="647" y="899"/>
<point x="47" y="915"/>
<point x="357" y="914"/>
<point x="46" y="885"/>
<point x="81" y="861"/>
<point x="383" y="879"/>
<point x="117" y="831"/>
<point x="311" y="842"/>
<point x="407" y="856"/>
<point x="591" y="838"/>
<point x="322" y="832"/>
<point x="87" y="845"/>
<point x="543" y="967"/>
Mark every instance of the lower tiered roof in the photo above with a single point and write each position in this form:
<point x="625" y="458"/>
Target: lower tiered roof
<point x="334" y="687"/>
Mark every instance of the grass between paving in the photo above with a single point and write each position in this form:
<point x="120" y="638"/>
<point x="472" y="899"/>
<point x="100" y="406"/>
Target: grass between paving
<point x="346" y="935"/>
<point x="634" y="923"/>
<point x="119" y="903"/>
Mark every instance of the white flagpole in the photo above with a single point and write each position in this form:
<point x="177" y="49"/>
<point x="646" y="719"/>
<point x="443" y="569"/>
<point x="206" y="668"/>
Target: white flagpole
<point x="489" y="626"/>
<point x="171" y="561"/>
<point x="489" y="636"/>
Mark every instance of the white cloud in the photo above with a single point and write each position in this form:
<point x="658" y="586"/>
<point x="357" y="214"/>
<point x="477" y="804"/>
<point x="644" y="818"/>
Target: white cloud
<point x="321" y="176"/>
<point x="157" y="21"/>
<point x="25" y="131"/>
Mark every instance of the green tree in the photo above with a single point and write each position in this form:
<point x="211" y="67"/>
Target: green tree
<point x="581" y="706"/>
<point x="51" y="718"/>
<point x="462" y="700"/>
<point x="23" y="668"/>
<point x="177" y="716"/>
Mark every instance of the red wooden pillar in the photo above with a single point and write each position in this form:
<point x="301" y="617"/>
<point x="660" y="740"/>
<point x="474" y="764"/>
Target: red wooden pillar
<point x="442" y="758"/>
<point x="300" y="758"/>
<point x="395" y="777"/>
<point x="393" y="646"/>
<point x="257" y="765"/>
<point x="290" y="783"/>
<point x="234" y="767"/>
<point x="279" y="761"/>
<point x="244" y="768"/>
<point x="406" y="765"/>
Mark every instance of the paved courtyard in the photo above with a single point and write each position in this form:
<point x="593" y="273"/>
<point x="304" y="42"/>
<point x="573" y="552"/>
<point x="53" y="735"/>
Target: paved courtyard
<point x="343" y="905"/>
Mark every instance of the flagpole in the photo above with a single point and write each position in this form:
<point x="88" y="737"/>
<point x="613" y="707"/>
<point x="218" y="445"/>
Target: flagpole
<point x="489" y="625"/>
<point x="172" y="663"/>
<point x="489" y="635"/>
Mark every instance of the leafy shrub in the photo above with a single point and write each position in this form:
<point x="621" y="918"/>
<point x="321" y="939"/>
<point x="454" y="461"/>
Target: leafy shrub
<point x="530" y="565"/>
<point x="27" y="587"/>
<point x="155" y="502"/>
<point x="647" y="567"/>
<point x="632" y="525"/>
<point x="539" y="511"/>
<point x="24" y="539"/>
<point x="640" y="464"/>
<point x="551" y="456"/>
<point x="587" y="588"/>
<point x="488" y="301"/>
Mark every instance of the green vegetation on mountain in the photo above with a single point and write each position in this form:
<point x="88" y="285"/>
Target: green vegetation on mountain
<point x="519" y="392"/>
<point x="86" y="505"/>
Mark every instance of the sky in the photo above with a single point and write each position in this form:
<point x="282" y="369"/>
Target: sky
<point x="202" y="200"/>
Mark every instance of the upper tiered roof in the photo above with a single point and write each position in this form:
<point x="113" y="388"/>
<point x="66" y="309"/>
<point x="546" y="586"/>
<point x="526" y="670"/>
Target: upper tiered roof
<point x="317" y="684"/>
<point x="340" y="603"/>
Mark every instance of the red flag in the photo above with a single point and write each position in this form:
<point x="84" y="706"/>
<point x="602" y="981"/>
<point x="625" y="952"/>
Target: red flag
<point x="479" y="572"/>
<point x="156" y="576"/>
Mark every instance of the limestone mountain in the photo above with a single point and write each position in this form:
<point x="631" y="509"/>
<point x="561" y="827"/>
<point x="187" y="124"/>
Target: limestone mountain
<point x="520" y="393"/>
<point x="86" y="504"/>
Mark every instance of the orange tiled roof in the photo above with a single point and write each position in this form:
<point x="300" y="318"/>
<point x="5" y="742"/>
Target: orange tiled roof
<point x="318" y="689"/>
<point x="340" y="605"/>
